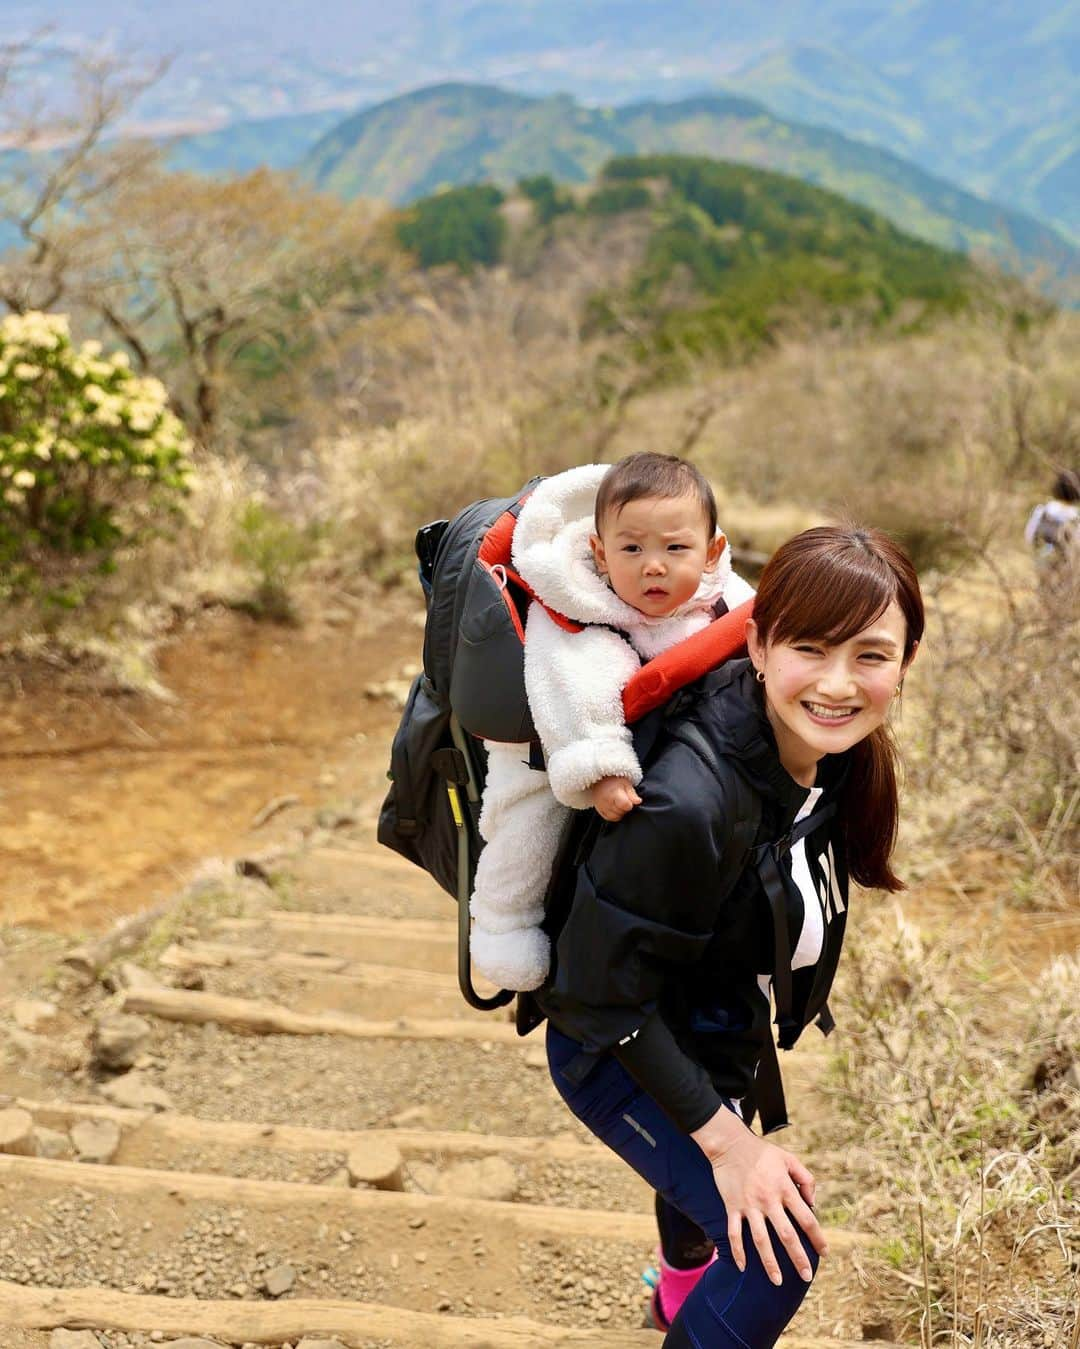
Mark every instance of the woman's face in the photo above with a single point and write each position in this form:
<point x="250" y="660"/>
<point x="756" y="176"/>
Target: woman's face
<point x="823" y="698"/>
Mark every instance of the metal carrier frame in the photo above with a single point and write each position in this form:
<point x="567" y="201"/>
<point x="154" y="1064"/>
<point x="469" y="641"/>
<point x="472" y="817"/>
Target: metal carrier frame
<point x="466" y="818"/>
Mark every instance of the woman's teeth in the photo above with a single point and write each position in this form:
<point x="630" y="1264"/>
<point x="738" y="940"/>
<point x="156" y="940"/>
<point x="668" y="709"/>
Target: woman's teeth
<point x="830" y="713"/>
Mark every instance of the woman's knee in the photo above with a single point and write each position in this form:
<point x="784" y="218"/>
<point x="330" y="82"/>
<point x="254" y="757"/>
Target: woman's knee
<point x="732" y="1309"/>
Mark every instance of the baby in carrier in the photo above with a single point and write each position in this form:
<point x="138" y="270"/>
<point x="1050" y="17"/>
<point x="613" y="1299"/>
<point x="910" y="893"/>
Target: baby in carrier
<point x="633" y="553"/>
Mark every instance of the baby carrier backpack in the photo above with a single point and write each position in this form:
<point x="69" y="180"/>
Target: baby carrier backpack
<point x="472" y="688"/>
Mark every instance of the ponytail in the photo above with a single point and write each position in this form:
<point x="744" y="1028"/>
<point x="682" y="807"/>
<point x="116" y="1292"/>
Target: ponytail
<point x="870" y="811"/>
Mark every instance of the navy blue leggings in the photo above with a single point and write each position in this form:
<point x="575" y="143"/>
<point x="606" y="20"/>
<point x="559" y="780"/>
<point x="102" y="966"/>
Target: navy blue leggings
<point x="728" y="1309"/>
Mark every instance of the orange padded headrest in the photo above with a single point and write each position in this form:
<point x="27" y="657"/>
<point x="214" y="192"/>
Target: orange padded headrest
<point x="663" y="676"/>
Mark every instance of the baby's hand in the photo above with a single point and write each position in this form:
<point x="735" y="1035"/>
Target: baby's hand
<point x="614" y="797"/>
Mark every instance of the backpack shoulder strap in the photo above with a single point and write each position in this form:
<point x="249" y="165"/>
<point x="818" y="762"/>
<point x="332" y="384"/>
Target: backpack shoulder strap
<point x="746" y="807"/>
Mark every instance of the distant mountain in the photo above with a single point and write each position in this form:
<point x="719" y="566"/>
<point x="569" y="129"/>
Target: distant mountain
<point x="983" y="92"/>
<point x="453" y="134"/>
<point x="1030" y="161"/>
<point x="270" y="142"/>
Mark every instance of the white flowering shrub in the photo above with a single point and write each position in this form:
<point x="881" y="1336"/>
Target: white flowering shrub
<point x="89" y="451"/>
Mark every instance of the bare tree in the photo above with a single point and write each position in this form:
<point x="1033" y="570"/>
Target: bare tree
<point x="203" y="275"/>
<point x="62" y="157"/>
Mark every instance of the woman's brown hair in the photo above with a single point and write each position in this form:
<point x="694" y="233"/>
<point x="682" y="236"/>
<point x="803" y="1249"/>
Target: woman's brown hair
<point x="827" y="584"/>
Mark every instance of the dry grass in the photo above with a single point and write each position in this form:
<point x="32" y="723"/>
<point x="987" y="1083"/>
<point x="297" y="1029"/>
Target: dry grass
<point x="124" y="616"/>
<point x="959" y="1113"/>
<point x="993" y="729"/>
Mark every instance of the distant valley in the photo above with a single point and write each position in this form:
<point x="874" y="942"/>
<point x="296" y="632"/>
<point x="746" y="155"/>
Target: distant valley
<point x="454" y="134"/>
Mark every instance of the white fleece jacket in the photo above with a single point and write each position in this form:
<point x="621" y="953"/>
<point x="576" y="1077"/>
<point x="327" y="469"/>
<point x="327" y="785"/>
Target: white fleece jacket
<point x="575" y="681"/>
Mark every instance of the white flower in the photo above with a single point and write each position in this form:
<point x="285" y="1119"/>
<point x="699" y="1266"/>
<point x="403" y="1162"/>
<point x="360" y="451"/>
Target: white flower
<point x="94" y="393"/>
<point x="121" y="360"/>
<point x="14" y="496"/>
<point x="44" y="331"/>
<point x="24" y="478"/>
<point x="24" y="370"/>
<point x="90" y="349"/>
<point x="153" y="390"/>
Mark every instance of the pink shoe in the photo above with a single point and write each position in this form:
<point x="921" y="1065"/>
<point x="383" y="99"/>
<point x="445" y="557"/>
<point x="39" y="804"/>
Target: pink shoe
<point x="654" y="1315"/>
<point x="676" y="1284"/>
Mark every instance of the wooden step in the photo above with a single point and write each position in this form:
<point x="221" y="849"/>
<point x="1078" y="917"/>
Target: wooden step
<point x="221" y="955"/>
<point x="423" y="944"/>
<point x="293" y="1196"/>
<point x="399" y="929"/>
<point x="422" y="1143"/>
<point x="323" y="983"/>
<point x="354" y="1323"/>
<point x="284" y="1195"/>
<point x="258" y="1017"/>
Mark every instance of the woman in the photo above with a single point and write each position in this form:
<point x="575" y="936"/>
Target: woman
<point x="771" y="783"/>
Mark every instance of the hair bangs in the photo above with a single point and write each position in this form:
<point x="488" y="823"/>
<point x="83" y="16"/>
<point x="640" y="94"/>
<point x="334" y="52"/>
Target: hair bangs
<point x="844" y="595"/>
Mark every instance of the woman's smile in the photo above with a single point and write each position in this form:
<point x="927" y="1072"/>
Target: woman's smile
<point x="823" y="713"/>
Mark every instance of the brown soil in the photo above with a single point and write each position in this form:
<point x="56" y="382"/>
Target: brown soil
<point x="111" y="798"/>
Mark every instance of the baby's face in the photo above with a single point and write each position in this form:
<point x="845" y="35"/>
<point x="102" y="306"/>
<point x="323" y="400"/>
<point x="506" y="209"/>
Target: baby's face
<point x="655" y="551"/>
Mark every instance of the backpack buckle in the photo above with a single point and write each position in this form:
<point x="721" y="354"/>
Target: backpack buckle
<point x="450" y="764"/>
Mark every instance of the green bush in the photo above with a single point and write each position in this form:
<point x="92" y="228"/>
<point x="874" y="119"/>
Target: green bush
<point x="89" y="451"/>
<point x="462" y="226"/>
<point x="614" y="198"/>
<point x="275" y="550"/>
<point x="548" y="200"/>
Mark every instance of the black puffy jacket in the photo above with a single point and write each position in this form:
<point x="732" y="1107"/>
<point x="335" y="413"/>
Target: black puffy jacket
<point x="667" y="940"/>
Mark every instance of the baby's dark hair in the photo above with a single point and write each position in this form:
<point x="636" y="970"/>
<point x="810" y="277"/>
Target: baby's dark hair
<point x="1067" y="485"/>
<point x="653" y="475"/>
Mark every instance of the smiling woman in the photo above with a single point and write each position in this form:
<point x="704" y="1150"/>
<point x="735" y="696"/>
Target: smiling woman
<point x="718" y="905"/>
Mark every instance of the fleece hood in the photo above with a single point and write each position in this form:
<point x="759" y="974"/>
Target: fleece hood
<point x="551" y="552"/>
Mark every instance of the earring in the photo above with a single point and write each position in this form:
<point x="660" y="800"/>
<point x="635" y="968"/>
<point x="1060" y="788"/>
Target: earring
<point x="900" y="688"/>
<point x="759" y="675"/>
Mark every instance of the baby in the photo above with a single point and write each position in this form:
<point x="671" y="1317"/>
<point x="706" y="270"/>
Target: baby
<point x="632" y="553"/>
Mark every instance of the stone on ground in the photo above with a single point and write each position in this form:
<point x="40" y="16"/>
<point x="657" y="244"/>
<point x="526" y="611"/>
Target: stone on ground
<point x="280" y="1279"/>
<point x="33" y="1014"/>
<point x="133" y="1090"/>
<point x="74" y="1339"/>
<point x="96" y="1140"/>
<point x="118" y="1039"/>
<point x="17" y="1132"/>
<point x="51" y="1143"/>
<point x="488" y="1178"/>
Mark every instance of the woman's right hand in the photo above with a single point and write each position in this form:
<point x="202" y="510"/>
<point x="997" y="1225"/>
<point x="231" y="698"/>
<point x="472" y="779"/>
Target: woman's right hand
<point x="762" y="1184"/>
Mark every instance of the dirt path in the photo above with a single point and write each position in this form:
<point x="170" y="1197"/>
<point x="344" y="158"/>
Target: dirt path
<point x="303" y="1036"/>
<point x="108" y="800"/>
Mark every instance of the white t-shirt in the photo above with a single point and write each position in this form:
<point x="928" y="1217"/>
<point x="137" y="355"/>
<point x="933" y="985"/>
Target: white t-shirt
<point x="821" y="898"/>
